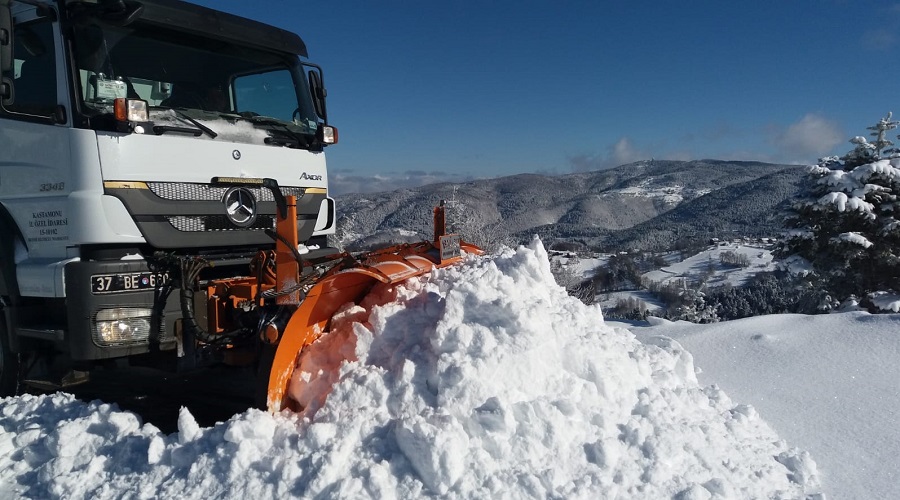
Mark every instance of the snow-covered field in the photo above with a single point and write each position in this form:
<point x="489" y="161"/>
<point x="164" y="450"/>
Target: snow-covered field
<point x="759" y="259"/>
<point x="488" y="381"/>
<point x="828" y="384"/>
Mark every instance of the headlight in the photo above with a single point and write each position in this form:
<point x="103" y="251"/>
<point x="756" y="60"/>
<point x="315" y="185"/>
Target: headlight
<point x="328" y="135"/>
<point x="122" y="325"/>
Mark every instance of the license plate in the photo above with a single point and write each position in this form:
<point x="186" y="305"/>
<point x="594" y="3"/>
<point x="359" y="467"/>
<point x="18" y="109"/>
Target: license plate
<point x="126" y="282"/>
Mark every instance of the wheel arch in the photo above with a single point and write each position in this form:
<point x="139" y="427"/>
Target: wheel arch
<point x="9" y="286"/>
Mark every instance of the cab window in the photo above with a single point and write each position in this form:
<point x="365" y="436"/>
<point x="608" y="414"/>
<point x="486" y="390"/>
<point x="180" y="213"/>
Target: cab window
<point x="34" y="69"/>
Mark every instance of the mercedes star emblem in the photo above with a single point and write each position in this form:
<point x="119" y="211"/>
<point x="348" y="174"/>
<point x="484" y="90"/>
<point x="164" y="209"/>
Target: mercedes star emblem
<point x="240" y="206"/>
<point x="236" y="154"/>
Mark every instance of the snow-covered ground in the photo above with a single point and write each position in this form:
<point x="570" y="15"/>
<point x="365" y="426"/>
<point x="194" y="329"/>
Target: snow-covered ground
<point x="692" y="268"/>
<point x="828" y="384"/>
<point x="488" y="381"/>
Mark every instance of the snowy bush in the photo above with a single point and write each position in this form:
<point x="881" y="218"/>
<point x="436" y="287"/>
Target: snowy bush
<point x="631" y="308"/>
<point x="694" y="308"/>
<point x="846" y="226"/>
<point x="684" y="303"/>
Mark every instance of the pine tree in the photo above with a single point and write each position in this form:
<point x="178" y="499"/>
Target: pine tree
<point x="878" y="130"/>
<point x="847" y="227"/>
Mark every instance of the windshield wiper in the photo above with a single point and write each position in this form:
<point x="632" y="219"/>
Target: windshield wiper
<point x="290" y="134"/>
<point x="291" y="142"/>
<point x="162" y="129"/>
<point x="201" y="128"/>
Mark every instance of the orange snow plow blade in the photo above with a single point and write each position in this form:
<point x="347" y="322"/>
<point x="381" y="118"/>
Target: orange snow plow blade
<point x="348" y="282"/>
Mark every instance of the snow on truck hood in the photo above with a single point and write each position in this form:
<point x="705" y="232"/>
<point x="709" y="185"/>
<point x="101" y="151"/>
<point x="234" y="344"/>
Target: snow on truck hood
<point x="483" y="380"/>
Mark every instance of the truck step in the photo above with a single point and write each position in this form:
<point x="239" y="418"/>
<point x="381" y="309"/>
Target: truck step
<point x="74" y="377"/>
<point x="43" y="333"/>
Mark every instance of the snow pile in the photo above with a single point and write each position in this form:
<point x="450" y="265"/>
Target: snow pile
<point x="483" y="381"/>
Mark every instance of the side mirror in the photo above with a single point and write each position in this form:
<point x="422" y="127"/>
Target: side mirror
<point x="317" y="89"/>
<point x="6" y="37"/>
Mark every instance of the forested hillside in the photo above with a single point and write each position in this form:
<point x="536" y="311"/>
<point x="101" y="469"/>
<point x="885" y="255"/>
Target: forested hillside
<point x="647" y="205"/>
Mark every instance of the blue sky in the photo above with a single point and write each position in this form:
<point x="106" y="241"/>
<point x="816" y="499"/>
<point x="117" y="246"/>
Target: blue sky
<point x="424" y="91"/>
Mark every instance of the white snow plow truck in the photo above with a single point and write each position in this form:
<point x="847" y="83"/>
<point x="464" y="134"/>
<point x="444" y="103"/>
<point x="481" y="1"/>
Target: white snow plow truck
<point x="163" y="195"/>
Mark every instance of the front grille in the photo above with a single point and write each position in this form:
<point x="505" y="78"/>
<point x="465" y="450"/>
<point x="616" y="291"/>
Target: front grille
<point x="199" y="223"/>
<point x="185" y="191"/>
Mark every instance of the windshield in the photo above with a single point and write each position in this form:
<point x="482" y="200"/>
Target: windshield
<point x="188" y="79"/>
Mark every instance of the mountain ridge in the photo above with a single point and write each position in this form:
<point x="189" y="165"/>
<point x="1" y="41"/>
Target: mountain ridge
<point x="642" y="205"/>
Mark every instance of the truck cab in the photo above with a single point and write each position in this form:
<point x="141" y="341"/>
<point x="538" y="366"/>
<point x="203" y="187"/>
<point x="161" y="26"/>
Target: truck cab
<point x="132" y="131"/>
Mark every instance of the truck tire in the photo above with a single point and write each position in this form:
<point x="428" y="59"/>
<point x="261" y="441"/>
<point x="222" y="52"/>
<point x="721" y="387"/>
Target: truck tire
<point x="9" y="362"/>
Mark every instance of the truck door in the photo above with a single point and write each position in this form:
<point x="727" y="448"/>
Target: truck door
<point x="34" y="134"/>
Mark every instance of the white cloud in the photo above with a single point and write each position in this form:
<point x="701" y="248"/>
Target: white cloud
<point x="624" y="151"/>
<point x="811" y="137"/>
<point x="621" y="152"/>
